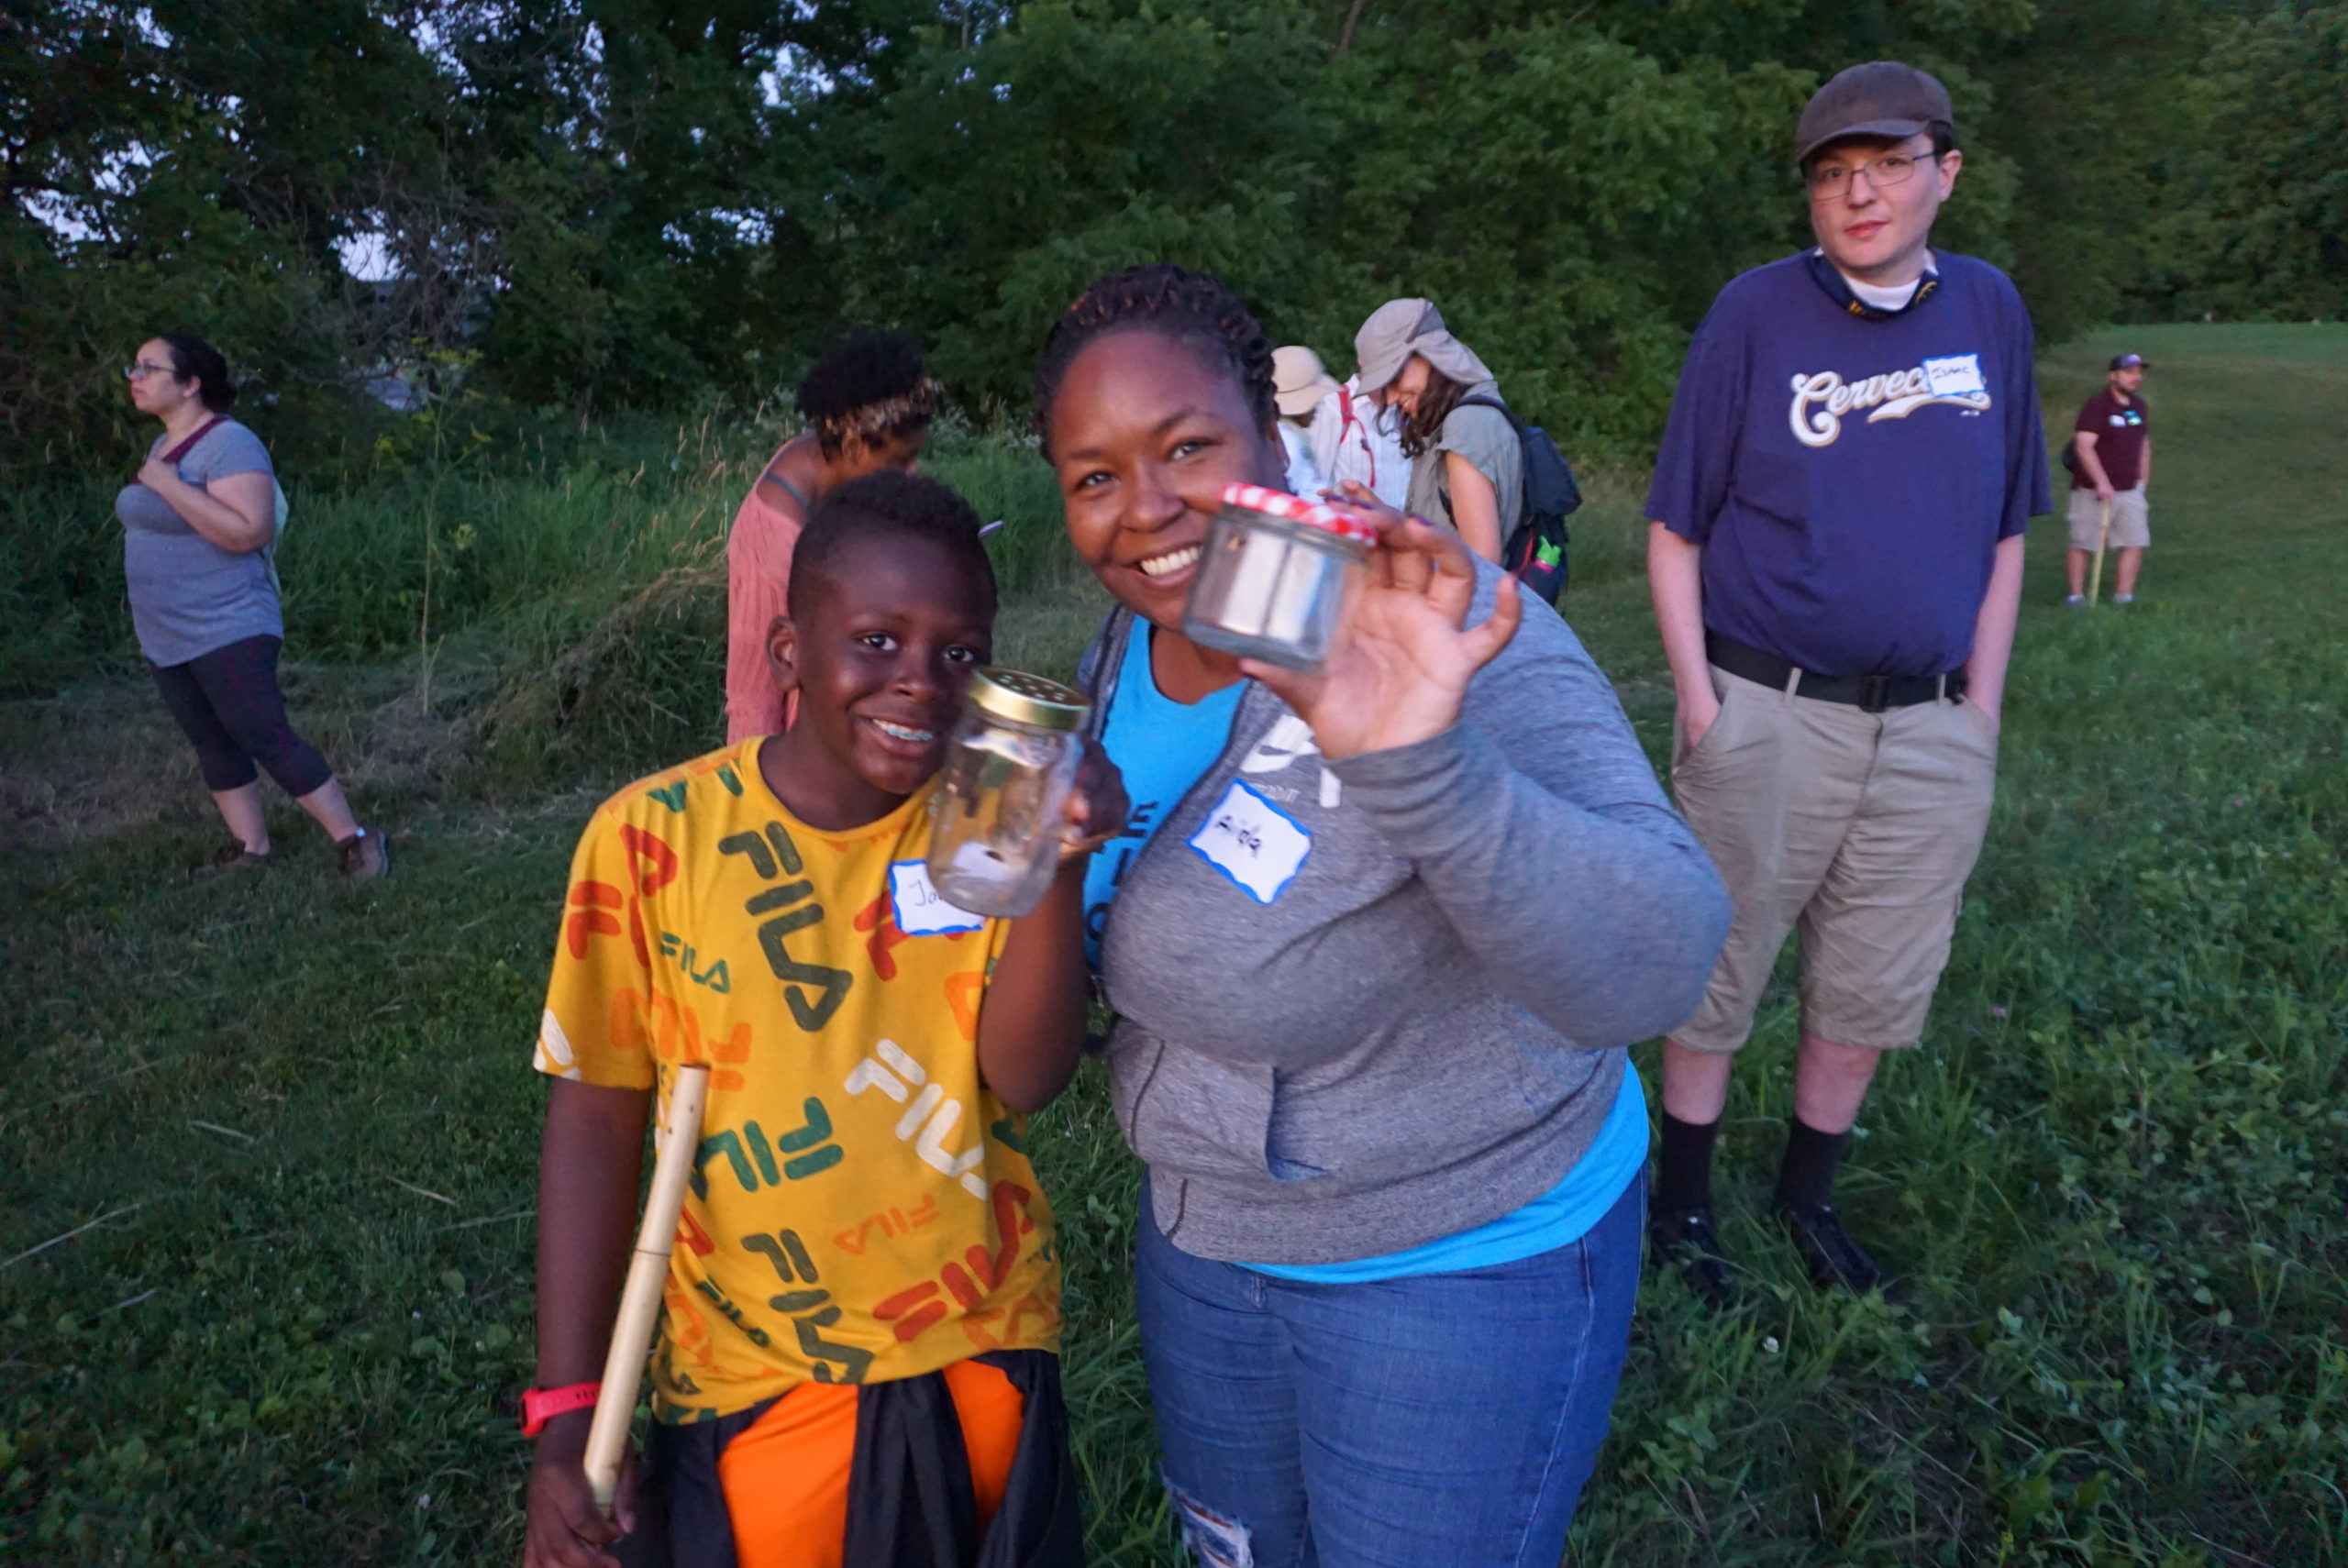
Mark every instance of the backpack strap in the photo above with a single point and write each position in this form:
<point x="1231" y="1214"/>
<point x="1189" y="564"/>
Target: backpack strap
<point x="1443" y="485"/>
<point x="1505" y="411"/>
<point x="181" y="451"/>
<point x="1348" y="422"/>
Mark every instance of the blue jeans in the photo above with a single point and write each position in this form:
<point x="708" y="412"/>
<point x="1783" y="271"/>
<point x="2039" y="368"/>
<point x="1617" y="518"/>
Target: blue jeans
<point x="1447" y="1420"/>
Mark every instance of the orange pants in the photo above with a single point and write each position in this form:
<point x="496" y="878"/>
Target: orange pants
<point x="785" y="1479"/>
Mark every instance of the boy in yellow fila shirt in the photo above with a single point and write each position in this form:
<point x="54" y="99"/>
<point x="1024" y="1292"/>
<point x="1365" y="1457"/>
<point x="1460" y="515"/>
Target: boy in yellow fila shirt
<point x="859" y="1360"/>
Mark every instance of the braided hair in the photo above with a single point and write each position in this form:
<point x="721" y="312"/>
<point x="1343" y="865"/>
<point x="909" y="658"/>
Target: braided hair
<point x="1174" y="302"/>
<point x="890" y="504"/>
<point x="869" y="384"/>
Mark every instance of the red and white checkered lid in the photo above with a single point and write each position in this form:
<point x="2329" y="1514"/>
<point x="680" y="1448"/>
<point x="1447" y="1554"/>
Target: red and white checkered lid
<point x="1296" y="509"/>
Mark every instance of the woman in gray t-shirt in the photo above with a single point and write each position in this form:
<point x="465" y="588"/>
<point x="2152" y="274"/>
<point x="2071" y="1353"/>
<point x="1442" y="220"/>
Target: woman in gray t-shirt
<point x="1466" y="462"/>
<point x="199" y="531"/>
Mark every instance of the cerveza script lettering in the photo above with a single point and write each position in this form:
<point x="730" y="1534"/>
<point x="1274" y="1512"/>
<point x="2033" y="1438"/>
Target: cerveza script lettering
<point x="1821" y="401"/>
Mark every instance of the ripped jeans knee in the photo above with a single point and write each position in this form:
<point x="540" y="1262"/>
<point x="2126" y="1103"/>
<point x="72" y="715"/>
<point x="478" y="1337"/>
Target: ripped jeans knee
<point x="1216" y="1540"/>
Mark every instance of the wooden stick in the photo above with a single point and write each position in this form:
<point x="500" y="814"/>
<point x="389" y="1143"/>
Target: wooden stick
<point x="2102" y="533"/>
<point x="647" y="1272"/>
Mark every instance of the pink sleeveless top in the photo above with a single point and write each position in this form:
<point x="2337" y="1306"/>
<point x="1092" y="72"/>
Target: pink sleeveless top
<point x="757" y="577"/>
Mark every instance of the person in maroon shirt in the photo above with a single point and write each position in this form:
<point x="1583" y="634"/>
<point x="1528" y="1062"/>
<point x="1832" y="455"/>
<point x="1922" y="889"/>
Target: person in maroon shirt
<point x="2112" y="446"/>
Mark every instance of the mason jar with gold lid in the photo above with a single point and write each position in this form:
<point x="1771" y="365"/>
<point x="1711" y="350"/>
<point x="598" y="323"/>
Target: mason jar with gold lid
<point x="995" y="836"/>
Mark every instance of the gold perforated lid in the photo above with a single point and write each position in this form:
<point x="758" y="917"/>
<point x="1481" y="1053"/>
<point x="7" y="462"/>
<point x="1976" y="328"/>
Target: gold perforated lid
<point x="1026" y="699"/>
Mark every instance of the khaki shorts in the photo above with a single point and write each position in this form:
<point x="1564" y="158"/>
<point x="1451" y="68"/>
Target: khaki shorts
<point x="1859" y="830"/>
<point x="2131" y="527"/>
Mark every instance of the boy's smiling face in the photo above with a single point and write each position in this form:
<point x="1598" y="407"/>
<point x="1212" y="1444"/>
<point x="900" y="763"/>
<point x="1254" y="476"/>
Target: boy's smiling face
<point x="879" y="652"/>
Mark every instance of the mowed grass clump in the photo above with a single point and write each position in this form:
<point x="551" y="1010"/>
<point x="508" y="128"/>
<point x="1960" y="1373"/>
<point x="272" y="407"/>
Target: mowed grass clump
<point x="299" y="1121"/>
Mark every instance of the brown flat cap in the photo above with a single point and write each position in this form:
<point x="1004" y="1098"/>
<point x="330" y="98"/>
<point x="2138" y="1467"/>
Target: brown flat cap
<point x="1882" y="97"/>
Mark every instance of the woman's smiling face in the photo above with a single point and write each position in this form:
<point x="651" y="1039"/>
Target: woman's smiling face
<point x="1143" y="432"/>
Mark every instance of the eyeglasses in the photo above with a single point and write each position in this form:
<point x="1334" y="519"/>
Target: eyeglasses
<point x="140" y="369"/>
<point x="1828" y="181"/>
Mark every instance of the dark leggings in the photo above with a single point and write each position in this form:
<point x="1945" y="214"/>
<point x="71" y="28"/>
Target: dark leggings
<point x="228" y="704"/>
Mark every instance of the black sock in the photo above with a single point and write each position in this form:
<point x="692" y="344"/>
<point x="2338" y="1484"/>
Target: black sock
<point x="1684" y="1165"/>
<point x="1806" y="1179"/>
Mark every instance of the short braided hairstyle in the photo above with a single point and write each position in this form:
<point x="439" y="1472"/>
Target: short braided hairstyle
<point x="887" y="504"/>
<point x="869" y="384"/>
<point x="1192" y="307"/>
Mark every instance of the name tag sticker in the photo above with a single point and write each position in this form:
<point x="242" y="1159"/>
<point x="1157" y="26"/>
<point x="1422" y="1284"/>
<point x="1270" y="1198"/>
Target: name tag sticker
<point x="920" y="909"/>
<point x="1955" y="376"/>
<point x="1252" y="842"/>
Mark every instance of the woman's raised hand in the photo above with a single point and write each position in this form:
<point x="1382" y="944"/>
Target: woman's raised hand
<point x="1402" y="668"/>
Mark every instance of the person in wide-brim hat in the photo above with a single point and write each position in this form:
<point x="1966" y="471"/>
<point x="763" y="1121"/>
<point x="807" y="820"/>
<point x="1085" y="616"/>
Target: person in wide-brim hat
<point x="1466" y="462"/>
<point x="1306" y="395"/>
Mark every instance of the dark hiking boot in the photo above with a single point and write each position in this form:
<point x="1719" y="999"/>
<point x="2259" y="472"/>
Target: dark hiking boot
<point x="365" y="856"/>
<point x="1687" y="1239"/>
<point x="1827" y="1250"/>
<point x="231" y="858"/>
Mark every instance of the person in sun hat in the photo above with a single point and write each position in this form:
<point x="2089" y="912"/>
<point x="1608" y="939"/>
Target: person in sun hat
<point x="1835" y="557"/>
<point x="1467" y="459"/>
<point x="1307" y="396"/>
<point x="2112" y="446"/>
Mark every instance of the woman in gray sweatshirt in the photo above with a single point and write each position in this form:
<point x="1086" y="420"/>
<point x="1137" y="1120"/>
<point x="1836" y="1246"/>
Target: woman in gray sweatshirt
<point x="1376" y="942"/>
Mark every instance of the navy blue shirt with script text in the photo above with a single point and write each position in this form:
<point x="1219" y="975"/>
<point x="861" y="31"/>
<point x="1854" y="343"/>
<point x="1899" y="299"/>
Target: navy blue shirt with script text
<point x="1849" y="477"/>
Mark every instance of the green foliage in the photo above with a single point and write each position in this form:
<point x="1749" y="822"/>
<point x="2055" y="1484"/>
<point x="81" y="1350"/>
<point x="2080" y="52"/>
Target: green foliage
<point x="2273" y="218"/>
<point x="594" y="204"/>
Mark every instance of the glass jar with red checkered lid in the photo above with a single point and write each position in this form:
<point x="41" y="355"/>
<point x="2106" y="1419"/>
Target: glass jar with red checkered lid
<point x="1277" y="579"/>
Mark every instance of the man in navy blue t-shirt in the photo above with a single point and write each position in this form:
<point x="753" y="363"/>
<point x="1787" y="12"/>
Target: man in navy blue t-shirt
<point x="1836" y="562"/>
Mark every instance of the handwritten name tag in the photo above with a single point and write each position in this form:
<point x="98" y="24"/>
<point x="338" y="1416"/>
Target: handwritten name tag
<point x="1955" y="376"/>
<point x="921" y="910"/>
<point x="1252" y="842"/>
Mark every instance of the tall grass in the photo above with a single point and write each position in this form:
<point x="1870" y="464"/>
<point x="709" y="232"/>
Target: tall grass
<point x="572" y="604"/>
<point x="576" y="600"/>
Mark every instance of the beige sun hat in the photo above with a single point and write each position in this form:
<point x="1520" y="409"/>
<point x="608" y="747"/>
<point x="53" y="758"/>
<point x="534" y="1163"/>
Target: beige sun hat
<point x="1400" y="328"/>
<point x="1299" y="381"/>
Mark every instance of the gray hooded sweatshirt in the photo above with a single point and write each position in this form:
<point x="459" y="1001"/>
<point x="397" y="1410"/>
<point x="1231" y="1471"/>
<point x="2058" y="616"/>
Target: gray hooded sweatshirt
<point x="1363" y="1005"/>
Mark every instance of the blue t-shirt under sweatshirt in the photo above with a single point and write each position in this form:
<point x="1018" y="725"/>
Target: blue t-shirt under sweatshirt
<point x="1850" y="471"/>
<point x="1163" y="747"/>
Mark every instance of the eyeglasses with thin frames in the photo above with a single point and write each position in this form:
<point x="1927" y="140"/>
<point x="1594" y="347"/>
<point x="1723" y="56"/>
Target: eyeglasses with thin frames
<point x="139" y="369"/>
<point x="1828" y="181"/>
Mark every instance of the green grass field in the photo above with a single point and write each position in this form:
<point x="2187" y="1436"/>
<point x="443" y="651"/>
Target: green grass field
<point x="265" y="1216"/>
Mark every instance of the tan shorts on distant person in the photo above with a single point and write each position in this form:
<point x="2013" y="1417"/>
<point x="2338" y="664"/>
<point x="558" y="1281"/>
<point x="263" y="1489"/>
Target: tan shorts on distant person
<point x="2131" y="527"/>
<point x="1856" y="829"/>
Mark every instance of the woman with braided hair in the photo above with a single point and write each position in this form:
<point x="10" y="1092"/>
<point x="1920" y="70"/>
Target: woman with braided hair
<point x="867" y="404"/>
<point x="1376" y="941"/>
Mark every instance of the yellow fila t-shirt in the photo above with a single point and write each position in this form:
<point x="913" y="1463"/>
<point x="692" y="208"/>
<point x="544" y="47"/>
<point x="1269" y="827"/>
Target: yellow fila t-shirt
<point x="861" y="1208"/>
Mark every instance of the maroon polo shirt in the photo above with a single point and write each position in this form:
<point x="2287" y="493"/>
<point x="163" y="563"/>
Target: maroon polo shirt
<point x="2119" y="429"/>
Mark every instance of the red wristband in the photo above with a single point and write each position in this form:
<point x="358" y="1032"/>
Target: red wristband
<point x="540" y="1406"/>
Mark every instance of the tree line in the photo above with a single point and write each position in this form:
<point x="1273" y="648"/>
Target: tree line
<point x="590" y="206"/>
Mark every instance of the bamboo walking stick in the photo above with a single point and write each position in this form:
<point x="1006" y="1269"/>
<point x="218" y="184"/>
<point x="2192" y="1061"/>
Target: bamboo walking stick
<point x="647" y="1272"/>
<point x="2102" y="534"/>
